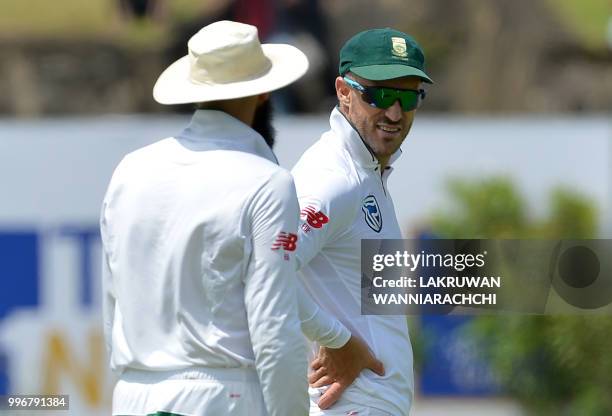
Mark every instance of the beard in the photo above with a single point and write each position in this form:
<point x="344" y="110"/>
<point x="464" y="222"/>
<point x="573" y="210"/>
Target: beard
<point x="262" y="122"/>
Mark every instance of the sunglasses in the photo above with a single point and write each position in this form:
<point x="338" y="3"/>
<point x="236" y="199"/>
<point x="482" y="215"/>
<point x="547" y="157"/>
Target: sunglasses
<point x="384" y="97"/>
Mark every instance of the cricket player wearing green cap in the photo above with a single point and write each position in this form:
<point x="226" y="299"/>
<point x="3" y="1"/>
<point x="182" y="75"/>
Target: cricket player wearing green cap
<point x="343" y="196"/>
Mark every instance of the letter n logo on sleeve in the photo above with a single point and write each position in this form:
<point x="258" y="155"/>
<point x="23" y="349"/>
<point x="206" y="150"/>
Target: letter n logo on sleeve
<point x="313" y="217"/>
<point x="285" y="241"/>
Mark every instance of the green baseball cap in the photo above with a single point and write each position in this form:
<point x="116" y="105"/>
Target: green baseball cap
<point x="380" y="54"/>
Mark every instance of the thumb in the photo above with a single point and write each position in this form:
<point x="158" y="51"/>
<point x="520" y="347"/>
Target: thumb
<point x="331" y="395"/>
<point x="377" y="366"/>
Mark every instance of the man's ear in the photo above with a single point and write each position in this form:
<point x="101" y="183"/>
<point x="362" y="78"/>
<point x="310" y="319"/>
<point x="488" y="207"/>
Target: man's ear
<point x="343" y="92"/>
<point x="262" y="98"/>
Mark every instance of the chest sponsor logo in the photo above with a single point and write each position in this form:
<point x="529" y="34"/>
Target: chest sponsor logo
<point x="286" y="241"/>
<point x="372" y="214"/>
<point x="313" y="217"/>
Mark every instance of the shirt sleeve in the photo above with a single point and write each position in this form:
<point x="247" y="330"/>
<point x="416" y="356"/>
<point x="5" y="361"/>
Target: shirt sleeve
<point x="108" y="297"/>
<point x="270" y="298"/>
<point x="327" y="208"/>
<point x="319" y="325"/>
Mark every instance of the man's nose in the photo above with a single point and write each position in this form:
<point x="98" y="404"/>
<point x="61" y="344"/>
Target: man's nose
<point x="394" y="113"/>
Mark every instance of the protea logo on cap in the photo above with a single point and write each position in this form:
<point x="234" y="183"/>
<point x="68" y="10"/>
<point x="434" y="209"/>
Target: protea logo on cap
<point x="399" y="48"/>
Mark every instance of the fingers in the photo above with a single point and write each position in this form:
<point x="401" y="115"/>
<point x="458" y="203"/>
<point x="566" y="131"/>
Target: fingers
<point x="331" y="395"/>
<point x="323" y="381"/>
<point x="316" y="364"/>
<point x="316" y="375"/>
<point x="377" y="366"/>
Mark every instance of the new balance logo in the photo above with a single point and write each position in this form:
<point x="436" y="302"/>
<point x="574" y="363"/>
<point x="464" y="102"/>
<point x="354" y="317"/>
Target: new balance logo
<point x="286" y="241"/>
<point x="314" y="218"/>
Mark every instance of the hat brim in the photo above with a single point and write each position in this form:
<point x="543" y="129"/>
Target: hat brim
<point x="392" y="71"/>
<point x="175" y="87"/>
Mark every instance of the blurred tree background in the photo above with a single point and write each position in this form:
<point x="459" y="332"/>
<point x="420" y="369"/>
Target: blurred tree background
<point x="554" y="365"/>
<point x="486" y="56"/>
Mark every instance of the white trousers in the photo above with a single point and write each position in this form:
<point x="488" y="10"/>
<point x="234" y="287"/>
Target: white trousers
<point x="342" y="407"/>
<point x="201" y="391"/>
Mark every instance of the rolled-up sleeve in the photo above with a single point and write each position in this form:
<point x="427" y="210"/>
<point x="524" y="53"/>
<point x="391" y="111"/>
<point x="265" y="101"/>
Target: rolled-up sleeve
<point x="318" y="325"/>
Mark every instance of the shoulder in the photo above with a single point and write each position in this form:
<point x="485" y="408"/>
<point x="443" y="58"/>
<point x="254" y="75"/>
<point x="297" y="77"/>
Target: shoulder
<point x="325" y="178"/>
<point x="323" y="157"/>
<point x="136" y="161"/>
<point x="273" y="200"/>
<point x="326" y="165"/>
<point x="279" y="179"/>
<point x="272" y="187"/>
<point x="231" y="166"/>
<point x="148" y="152"/>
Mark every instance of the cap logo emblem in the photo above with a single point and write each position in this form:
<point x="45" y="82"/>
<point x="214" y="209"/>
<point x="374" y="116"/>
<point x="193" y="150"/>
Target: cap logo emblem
<point x="399" y="47"/>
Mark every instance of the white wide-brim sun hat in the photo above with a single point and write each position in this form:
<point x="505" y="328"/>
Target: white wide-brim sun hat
<point x="226" y="61"/>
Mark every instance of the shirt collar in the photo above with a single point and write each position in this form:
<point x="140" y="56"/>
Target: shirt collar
<point x="360" y="152"/>
<point x="213" y="130"/>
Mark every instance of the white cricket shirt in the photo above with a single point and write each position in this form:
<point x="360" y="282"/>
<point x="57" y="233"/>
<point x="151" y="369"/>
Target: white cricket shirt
<point x="343" y="199"/>
<point x="199" y="240"/>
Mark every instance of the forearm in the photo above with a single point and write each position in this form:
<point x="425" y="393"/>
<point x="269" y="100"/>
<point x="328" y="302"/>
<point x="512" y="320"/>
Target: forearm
<point x="318" y="325"/>
<point x="278" y="344"/>
<point x="271" y="302"/>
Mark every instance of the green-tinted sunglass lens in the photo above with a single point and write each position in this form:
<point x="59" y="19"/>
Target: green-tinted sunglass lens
<point x="386" y="97"/>
<point x="409" y="100"/>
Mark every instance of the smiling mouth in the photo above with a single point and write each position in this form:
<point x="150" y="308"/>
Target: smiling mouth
<point x="389" y="129"/>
